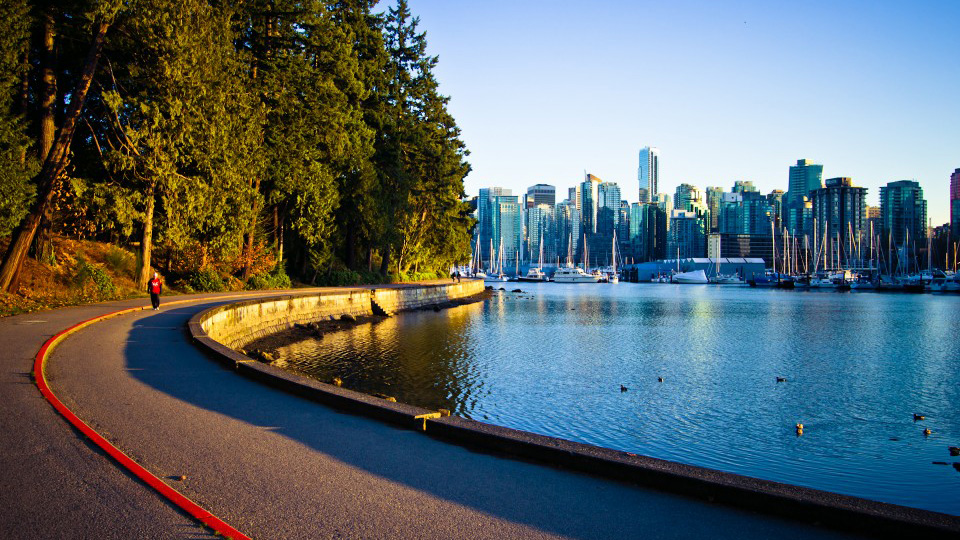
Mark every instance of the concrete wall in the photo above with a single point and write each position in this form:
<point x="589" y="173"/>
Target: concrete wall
<point x="235" y="325"/>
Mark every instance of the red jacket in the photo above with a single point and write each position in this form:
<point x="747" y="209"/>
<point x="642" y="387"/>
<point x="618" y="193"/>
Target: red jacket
<point x="154" y="286"/>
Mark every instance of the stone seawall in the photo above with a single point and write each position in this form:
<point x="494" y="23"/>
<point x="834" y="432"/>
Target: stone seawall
<point x="235" y="325"/>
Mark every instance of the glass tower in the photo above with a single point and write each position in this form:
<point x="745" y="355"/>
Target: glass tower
<point x="648" y="174"/>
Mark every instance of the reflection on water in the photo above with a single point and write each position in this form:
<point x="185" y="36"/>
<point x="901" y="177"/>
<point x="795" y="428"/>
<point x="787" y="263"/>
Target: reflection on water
<point x="551" y="360"/>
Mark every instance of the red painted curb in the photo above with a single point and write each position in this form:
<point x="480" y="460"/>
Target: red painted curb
<point x="153" y="481"/>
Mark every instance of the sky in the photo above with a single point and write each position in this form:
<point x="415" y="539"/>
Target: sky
<point x="545" y="91"/>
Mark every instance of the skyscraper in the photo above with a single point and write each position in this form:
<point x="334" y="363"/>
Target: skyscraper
<point x="903" y="212"/>
<point x="648" y="173"/>
<point x="840" y="210"/>
<point x="541" y="194"/>
<point x="714" y="197"/>
<point x="589" y="196"/>
<point x="955" y="205"/>
<point x="805" y="177"/>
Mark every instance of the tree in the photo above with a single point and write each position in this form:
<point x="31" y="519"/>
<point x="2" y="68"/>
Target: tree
<point x="17" y="167"/>
<point x="421" y="157"/>
<point x="180" y="127"/>
<point x="56" y="159"/>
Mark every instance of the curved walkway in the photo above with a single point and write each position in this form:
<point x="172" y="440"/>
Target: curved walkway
<point x="274" y="465"/>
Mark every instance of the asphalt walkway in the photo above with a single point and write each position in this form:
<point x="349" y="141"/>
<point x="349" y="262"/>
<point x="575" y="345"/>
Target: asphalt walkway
<point x="274" y="465"/>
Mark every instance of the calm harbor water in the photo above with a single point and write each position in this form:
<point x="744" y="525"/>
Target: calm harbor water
<point x="551" y="360"/>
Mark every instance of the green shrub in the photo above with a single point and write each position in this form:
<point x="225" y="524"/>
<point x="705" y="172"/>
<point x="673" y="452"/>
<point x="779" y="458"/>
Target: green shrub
<point x="340" y="278"/>
<point x="87" y="275"/>
<point x="279" y="278"/>
<point x="276" y="279"/>
<point x="119" y="261"/>
<point x="206" y="280"/>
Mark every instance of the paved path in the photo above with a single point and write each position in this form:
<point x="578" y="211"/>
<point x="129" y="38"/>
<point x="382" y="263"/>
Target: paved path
<point x="273" y="465"/>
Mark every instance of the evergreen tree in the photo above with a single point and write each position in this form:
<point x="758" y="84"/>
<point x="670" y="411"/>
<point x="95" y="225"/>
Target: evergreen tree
<point x="421" y="158"/>
<point x="17" y="166"/>
<point x="181" y="127"/>
<point x="98" y="20"/>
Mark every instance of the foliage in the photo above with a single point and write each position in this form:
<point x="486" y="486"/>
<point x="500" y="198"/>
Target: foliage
<point x="307" y="136"/>
<point x="119" y="261"/>
<point x="17" y="166"/>
<point x="88" y="276"/>
<point x="206" y="280"/>
<point x="277" y="279"/>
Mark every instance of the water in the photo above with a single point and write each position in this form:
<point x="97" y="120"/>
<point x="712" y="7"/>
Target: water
<point x="551" y="361"/>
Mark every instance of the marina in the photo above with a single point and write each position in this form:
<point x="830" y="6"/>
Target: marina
<point x="714" y="376"/>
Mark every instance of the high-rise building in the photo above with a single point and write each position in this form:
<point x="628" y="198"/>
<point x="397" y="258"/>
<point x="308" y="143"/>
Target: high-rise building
<point x="648" y="173"/>
<point x="714" y="197"/>
<point x="541" y="194"/>
<point x="541" y="226"/>
<point x="955" y="205"/>
<point x="744" y="186"/>
<point x="690" y="198"/>
<point x="665" y="203"/>
<point x="487" y="206"/>
<point x="687" y="236"/>
<point x="567" y="230"/>
<point x="589" y="197"/>
<point x="839" y="211"/>
<point x="648" y="232"/>
<point x="507" y="228"/>
<point x="903" y="213"/>
<point x="805" y="177"/>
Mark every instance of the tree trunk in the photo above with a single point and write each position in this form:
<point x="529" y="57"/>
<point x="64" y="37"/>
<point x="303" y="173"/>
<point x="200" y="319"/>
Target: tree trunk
<point x="53" y="166"/>
<point x="146" y="243"/>
<point x="43" y="244"/>
<point x="385" y="260"/>
<point x="248" y="248"/>
<point x="48" y="92"/>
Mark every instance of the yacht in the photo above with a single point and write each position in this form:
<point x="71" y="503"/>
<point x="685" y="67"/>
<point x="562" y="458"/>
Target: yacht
<point x="533" y="274"/>
<point x="574" y="274"/>
<point x="721" y="279"/>
<point x="695" y="277"/>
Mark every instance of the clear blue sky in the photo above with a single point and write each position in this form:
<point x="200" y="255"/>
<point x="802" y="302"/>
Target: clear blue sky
<point x="727" y="90"/>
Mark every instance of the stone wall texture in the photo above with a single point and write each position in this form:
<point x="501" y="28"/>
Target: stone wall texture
<point x="237" y="324"/>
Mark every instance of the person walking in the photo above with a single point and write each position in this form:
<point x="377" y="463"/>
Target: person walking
<point x="155" y="287"/>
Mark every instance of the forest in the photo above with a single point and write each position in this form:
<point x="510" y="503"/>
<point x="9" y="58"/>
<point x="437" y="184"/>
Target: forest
<point x="239" y="140"/>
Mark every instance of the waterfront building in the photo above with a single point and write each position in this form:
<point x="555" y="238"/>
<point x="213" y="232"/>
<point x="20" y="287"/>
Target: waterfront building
<point x="623" y="230"/>
<point x="648" y="232"/>
<point x="955" y="205"/>
<point x="589" y="195"/>
<point x="839" y="210"/>
<point x="648" y="172"/>
<point x="487" y="206"/>
<point x="541" y="224"/>
<point x="805" y="177"/>
<point x="752" y="246"/>
<point x="507" y="220"/>
<point x="567" y="229"/>
<point x="903" y="212"/>
<point x="714" y="198"/>
<point x="665" y="203"/>
<point x="538" y="194"/>
<point x="687" y="236"/>
<point x="731" y="217"/>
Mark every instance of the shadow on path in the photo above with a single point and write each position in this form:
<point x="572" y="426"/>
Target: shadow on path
<point x="160" y="355"/>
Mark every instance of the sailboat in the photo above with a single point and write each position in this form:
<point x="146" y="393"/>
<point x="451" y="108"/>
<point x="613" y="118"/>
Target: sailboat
<point x="609" y="273"/>
<point x="535" y="273"/>
<point x="724" y="279"/>
<point x="496" y="274"/>
<point x="575" y="274"/>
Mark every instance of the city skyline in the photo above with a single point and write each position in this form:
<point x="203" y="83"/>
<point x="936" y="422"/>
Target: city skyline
<point x="726" y="93"/>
